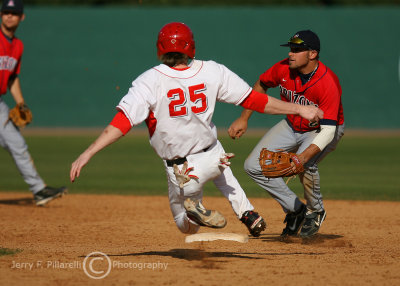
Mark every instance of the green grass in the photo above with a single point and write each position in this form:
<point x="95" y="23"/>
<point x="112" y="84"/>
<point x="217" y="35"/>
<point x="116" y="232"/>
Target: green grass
<point x="362" y="168"/>
<point x="7" y="251"/>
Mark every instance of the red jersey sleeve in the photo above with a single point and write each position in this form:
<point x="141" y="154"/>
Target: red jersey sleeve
<point x="272" y="76"/>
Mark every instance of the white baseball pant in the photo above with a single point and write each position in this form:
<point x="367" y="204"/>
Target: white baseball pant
<point x="206" y="167"/>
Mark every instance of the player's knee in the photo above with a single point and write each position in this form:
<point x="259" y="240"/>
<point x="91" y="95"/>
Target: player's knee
<point x="251" y="168"/>
<point x="193" y="189"/>
<point x="18" y="150"/>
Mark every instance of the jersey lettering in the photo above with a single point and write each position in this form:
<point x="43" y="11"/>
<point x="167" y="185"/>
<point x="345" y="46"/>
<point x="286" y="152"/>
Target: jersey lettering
<point x="7" y="63"/>
<point x="178" y="99"/>
<point x="294" y="97"/>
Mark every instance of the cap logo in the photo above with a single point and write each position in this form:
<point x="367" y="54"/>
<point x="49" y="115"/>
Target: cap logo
<point x="11" y="3"/>
<point x="173" y="41"/>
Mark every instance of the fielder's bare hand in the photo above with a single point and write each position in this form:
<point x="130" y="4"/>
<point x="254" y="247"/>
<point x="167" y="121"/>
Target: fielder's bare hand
<point x="311" y="113"/>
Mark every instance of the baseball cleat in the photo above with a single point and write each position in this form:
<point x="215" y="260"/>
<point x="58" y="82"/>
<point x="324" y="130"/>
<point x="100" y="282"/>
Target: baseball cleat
<point x="200" y="215"/>
<point x="254" y="222"/>
<point x="48" y="194"/>
<point x="312" y="223"/>
<point x="294" y="221"/>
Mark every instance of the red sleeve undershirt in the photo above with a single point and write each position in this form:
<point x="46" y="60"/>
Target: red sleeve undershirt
<point x="121" y="122"/>
<point x="255" y="101"/>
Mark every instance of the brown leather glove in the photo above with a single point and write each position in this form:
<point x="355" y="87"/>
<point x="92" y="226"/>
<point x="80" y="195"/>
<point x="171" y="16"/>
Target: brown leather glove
<point x="20" y="115"/>
<point x="279" y="164"/>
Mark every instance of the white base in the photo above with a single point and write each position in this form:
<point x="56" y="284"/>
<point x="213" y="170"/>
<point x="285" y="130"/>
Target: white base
<point x="243" y="238"/>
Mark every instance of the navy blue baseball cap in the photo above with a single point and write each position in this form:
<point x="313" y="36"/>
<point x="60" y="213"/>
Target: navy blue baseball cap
<point x="14" y="6"/>
<point x="304" y="39"/>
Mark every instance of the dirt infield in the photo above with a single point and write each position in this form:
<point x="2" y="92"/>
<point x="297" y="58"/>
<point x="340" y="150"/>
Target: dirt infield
<point x="359" y="244"/>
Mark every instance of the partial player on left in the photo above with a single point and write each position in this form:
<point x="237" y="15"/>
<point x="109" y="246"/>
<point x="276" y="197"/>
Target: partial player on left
<point x="11" y="49"/>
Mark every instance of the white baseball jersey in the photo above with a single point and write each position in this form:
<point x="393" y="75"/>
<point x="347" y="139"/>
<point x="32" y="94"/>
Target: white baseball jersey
<point x="178" y="105"/>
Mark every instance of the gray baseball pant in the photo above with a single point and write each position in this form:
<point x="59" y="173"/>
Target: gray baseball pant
<point x="12" y="141"/>
<point x="283" y="137"/>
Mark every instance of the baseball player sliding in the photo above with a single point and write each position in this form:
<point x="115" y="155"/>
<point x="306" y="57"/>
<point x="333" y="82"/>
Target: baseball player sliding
<point x="304" y="80"/>
<point x="177" y="99"/>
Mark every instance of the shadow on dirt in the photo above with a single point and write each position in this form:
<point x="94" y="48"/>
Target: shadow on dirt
<point x="200" y="254"/>
<point x="191" y="254"/>
<point x="316" y="239"/>
<point x="18" y="202"/>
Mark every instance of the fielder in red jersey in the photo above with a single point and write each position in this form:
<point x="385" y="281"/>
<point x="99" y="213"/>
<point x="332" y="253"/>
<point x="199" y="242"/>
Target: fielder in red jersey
<point x="322" y="90"/>
<point x="302" y="79"/>
<point x="11" y="49"/>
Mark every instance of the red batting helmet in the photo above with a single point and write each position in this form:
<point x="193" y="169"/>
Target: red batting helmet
<point x="175" y="37"/>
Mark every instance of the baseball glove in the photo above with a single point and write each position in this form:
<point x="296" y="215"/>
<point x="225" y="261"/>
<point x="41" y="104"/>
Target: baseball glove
<point x="279" y="164"/>
<point x="20" y="115"/>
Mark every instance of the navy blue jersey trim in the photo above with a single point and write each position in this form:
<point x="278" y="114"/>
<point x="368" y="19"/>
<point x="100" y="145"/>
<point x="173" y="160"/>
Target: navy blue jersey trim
<point x="326" y="71"/>
<point x="328" y="122"/>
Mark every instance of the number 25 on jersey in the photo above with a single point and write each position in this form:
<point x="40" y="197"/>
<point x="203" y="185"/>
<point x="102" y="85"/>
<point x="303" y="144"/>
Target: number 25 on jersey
<point x="179" y="104"/>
